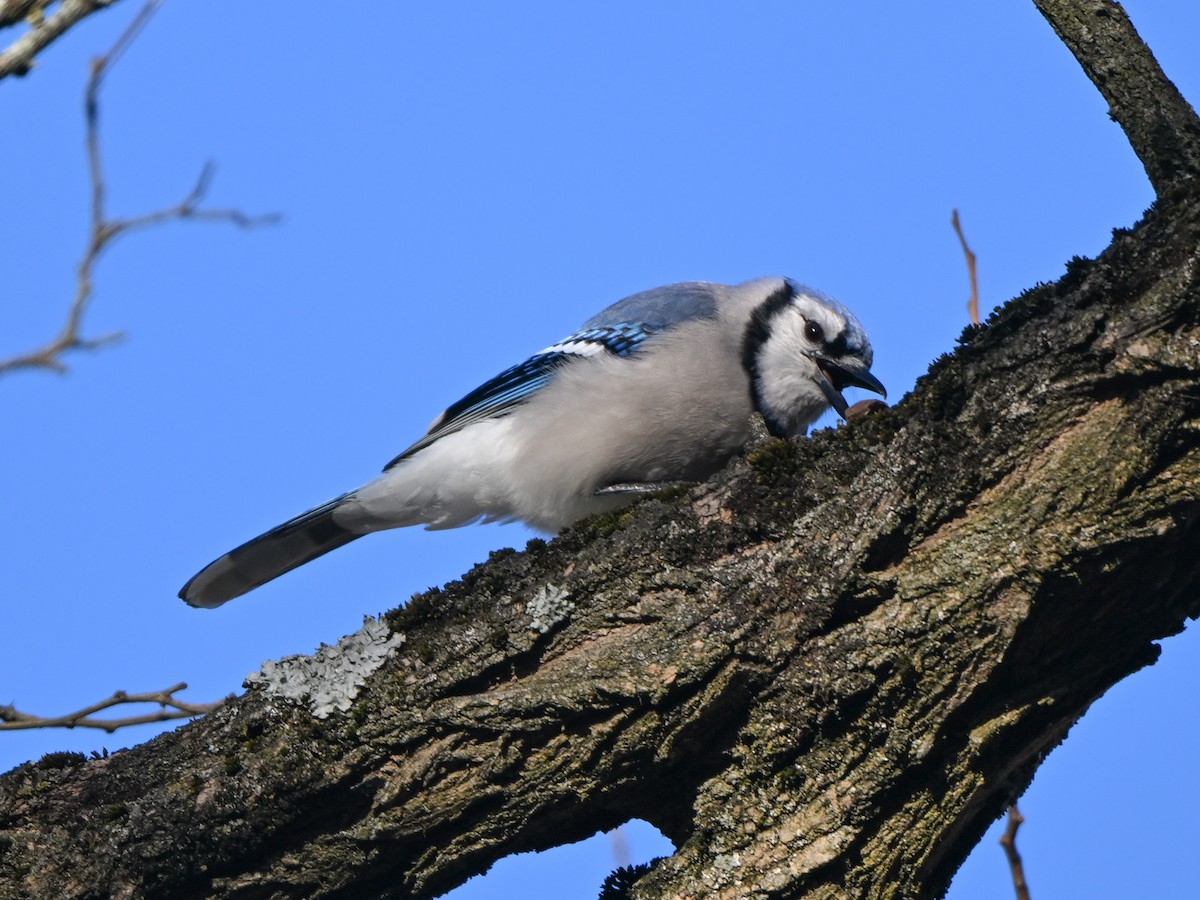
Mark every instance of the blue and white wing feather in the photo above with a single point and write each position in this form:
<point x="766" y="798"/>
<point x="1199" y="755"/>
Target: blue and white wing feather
<point x="619" y="330"/>
<point x="515" y="385"/>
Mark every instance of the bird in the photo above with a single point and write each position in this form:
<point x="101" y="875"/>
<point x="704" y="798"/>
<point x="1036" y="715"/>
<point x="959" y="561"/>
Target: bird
<point x="657" y="389"/>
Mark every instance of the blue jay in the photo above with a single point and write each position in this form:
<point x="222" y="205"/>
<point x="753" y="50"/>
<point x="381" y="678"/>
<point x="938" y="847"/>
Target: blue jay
<point x="658" y="388"/>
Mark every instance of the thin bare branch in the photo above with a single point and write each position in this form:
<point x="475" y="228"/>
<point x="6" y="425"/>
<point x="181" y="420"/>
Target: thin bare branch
<point x="170" y="707"/>
<point x="189" y="208"/>
<point x="1009" y="842"/>
<point x="18" y="57"/>
<point x="973" y="300"/>
<point x="103" y="230"/>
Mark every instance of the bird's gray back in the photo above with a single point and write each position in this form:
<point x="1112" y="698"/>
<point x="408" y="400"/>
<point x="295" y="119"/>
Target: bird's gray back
<point x="662" y="307"/>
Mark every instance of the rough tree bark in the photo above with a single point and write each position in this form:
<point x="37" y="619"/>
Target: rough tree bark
<point x="821" y="674"/>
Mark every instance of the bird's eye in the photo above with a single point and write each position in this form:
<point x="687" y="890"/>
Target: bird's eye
<point x="813" y="332"/>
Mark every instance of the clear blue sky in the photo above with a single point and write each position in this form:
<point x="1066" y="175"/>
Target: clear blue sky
<point x="463" y="184"/>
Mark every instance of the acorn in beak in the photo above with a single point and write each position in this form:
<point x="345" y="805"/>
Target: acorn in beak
<point x="833" y="378"/>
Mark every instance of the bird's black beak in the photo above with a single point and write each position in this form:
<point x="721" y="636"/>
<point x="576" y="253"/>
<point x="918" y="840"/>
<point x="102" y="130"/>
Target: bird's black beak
<point x="834" y="377"/>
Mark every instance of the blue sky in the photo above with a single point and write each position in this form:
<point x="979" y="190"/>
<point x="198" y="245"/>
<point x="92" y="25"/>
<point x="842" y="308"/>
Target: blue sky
<point x="462" y="184"/>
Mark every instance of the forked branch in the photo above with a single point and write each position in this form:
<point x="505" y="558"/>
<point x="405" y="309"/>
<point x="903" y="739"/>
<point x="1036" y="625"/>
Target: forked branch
<point x="104" y="231"/>
<point x="170" y="707"/>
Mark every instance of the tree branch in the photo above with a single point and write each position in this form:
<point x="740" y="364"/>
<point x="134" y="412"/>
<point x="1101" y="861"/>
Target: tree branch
<point x="103" y="231"/>
<point x="1160" y="124"/>
<point x="1008" y="841"/>
<point x="972" y="277"/>
<point x="171" y="707"/>
<point x="823" y="673"/>
<point x="13" y="12"/>
<point x="18" y="57"/>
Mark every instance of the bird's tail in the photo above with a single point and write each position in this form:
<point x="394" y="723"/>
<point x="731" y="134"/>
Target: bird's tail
<point x="268" y="556"/>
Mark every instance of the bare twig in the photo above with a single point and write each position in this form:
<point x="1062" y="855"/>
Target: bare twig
<point x="170" y="707"/>
<point x="18" y="57"/>
<point x="973" y="300"/>
<point x="103" y="230"/>
<point x="1009" y="842"/>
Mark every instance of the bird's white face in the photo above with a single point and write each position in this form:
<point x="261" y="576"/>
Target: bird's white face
<point x="802" y="349"/>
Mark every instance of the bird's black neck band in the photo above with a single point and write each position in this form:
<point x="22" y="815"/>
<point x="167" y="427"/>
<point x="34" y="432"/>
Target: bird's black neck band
<point x="758" y="330"/>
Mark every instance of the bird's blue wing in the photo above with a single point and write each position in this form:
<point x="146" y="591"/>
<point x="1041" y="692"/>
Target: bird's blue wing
<point x="515" y="385"/>
<point x="619" y="330"/>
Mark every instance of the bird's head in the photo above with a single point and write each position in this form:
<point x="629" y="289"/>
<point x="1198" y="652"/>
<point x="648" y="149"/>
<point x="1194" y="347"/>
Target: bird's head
<point x="801" y="348"/>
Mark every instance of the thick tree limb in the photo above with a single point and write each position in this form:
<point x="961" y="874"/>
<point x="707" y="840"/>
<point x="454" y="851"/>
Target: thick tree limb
<point x="822" y="674"/>
<point x="1159" y="122"/>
